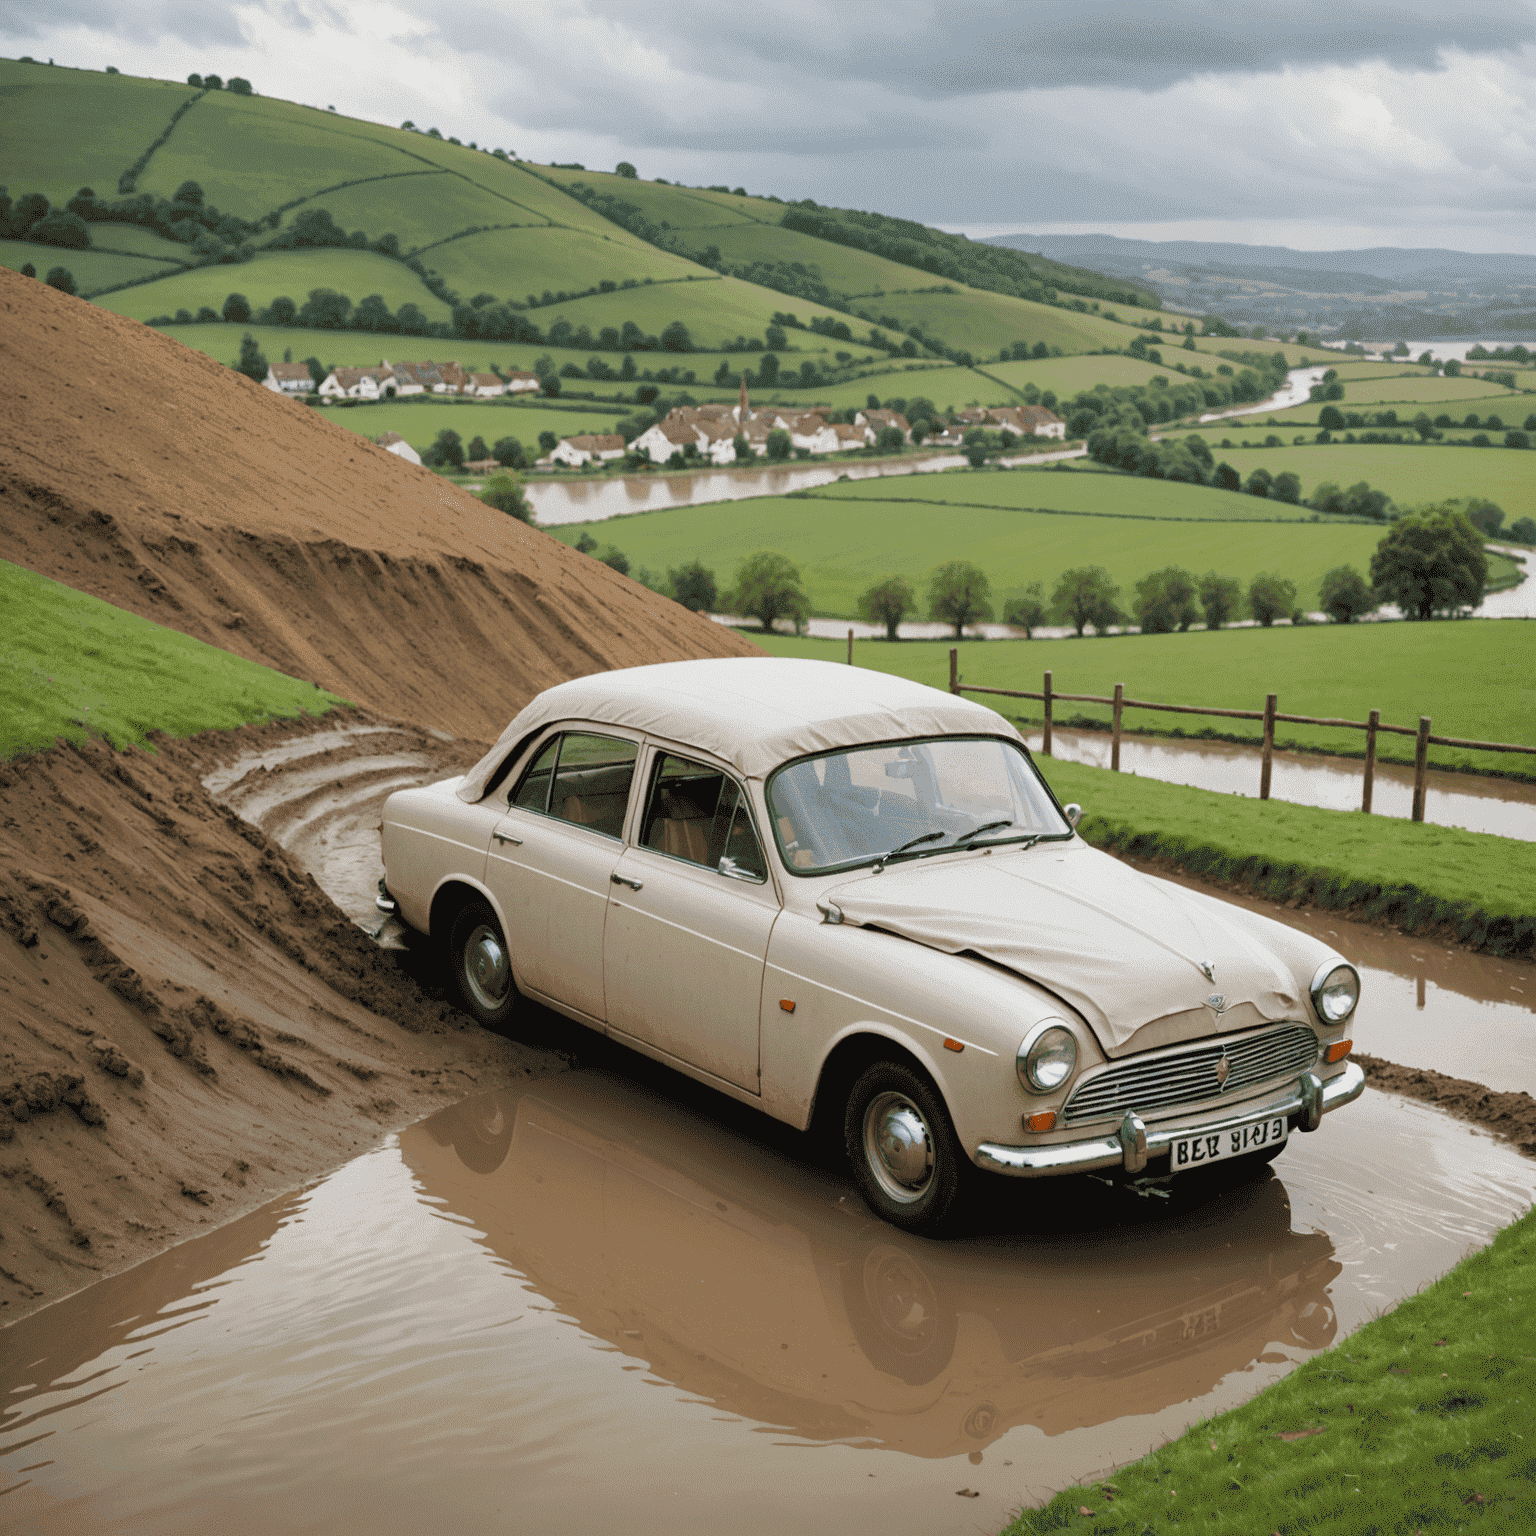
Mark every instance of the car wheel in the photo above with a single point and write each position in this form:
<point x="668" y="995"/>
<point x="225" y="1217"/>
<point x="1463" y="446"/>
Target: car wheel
<point x="480" y="966"/>
<point x="905" y="1155"/>
<point x="898" y="1315"/>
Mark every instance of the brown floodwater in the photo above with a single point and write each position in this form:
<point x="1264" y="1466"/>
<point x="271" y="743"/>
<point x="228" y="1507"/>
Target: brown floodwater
<point x="611" y="1301"/>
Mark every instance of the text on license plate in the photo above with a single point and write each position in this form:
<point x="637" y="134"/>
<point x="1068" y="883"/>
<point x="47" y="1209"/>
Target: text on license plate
<point x="1214" y="1146"/>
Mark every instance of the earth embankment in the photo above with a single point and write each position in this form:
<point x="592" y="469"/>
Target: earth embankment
<point x="145" y="473"/>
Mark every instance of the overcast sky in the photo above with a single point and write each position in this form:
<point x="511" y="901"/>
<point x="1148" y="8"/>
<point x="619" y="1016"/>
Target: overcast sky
<point x="1313" y="123"/>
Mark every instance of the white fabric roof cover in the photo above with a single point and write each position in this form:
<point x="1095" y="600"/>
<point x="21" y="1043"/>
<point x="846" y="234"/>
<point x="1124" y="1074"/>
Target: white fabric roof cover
<point x="1121" y="947"/>
<point x="754" y="712"/>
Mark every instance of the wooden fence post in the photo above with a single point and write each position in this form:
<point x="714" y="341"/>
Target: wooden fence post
<point x="954" y="670"/>
<point x="1372" y="721"/>
<point x="1114" y="749"/>
<point x="1267" y="767"/>
<point x="1421" y="768"/>
<point x="850" y="647"/>
<point x="1045" y="745"/>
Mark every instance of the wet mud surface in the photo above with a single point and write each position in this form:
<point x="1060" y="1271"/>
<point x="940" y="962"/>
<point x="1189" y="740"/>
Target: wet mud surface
<point x="612" y="1298"/>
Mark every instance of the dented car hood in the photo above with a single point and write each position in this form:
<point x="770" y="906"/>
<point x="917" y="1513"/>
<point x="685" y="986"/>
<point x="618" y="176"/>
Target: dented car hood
<point x="1120" y="947"/>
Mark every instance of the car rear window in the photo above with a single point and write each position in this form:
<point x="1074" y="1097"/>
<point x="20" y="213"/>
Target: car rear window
<point x="581" y="778"/>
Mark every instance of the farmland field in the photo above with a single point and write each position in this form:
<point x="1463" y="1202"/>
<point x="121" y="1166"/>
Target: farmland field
<point x="1512" y="408"/>
<point x="419" y="421"/>
<point x="1068" y="375"/>
<point x="843" y="545"/>
<point x="1474" y="678"/>
<point x="1408" y="475"/>
<point x="92" y="269"/>
<point x="513" y="263"/>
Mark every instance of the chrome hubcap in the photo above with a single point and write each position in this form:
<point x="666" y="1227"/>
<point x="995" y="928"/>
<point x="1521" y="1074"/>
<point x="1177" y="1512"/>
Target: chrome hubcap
<point x="897" y="1147"/>
<point x="486" y="968"/>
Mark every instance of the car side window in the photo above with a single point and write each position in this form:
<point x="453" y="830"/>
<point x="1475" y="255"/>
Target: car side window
<point x="591" y="781"/>
<point x="532" y="794"/>
<point x="697" y="813"/>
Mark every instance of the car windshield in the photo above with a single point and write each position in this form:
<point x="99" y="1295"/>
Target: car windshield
<point x="855" y="807"/>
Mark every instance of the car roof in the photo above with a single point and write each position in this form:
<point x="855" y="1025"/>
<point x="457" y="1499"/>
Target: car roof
<point x="754" y="712"/>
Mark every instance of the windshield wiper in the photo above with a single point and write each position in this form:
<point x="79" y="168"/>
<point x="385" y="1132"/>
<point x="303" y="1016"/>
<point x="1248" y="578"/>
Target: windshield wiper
<point x="913" y="842"/>
<point x="986" y="826"/>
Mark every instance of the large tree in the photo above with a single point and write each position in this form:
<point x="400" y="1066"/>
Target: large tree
<point x="1431" y="562"/>
<point x="1219" y="598"/>
<point x="693" y="585"/>
<point x="1026" y="612"/>
<point x="253" y="363"/>
<point x="1165" y="601"/>
<point x="1345" y="595"/>
<point x="768" y="588"/>
<point x="1085" y="595"/>
<point x="888" y="602"/>
<point x="1270" y="597"/>
<point x="505" y="494"/>
<point x="959" y="594"/>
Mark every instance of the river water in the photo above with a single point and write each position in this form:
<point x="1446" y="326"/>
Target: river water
<point x="609" y="1302"/>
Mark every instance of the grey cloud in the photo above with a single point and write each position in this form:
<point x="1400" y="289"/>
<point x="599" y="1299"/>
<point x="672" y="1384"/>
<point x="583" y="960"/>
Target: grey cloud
<point x="185" y="19"/>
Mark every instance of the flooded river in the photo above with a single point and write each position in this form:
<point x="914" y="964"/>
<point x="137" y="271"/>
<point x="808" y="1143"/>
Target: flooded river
<point x="612" y="1301"/>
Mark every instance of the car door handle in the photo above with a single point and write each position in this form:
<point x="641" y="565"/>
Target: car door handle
<point x="634" y="885"/>
<point x="506" y="837"/>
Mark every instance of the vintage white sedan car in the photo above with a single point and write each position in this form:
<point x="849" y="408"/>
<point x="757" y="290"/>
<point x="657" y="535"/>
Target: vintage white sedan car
<point x="849" y="899"/>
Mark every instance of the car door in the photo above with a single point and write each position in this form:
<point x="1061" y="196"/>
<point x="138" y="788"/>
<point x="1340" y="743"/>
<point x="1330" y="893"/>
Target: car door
<point x="689" y="918"/>
<point x="550" y="860"/>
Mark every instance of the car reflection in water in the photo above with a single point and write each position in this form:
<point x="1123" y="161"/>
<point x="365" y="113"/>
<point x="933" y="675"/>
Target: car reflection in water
<point x="762" y="1285"/>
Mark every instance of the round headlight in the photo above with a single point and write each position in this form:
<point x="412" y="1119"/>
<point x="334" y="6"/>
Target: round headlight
<point x="1335" y="991"/>
<point x="1047" y="1057"/>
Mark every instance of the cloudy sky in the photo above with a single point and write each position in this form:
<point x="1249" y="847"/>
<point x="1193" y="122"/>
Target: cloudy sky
<point x="1313" y="123"/>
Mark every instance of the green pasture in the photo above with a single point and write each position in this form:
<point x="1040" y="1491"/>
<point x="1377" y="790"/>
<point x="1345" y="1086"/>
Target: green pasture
<point x="91" y="269"/>
<point x="1407" y="474"/>
<point x="1511" y="408"/>
<point x="138" y="241"/>
<point x="69" y="128"/>
<point x="72" y="666"/>
<point x="680" y="207"/>
<point x="1418" y="389"/>
<point x="419" y="420"/>
<point x="512" y="263"/>
<point x="844" y="545"/>
<point x="1475" y="678"/>
<point x="268" y="274"/>
<point x="856" y="276"/>
<point x="1071" y="487"/>
<point x="424" y="204"/>
<point x="1068" y="375"/>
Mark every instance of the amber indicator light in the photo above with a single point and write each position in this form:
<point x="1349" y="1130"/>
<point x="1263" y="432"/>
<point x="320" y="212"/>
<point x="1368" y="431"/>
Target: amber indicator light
<point x="1044" y="1121"/>
<point x="1339" y="1050"/>
<point x="953" y="1045"/>
<point x="786" y="1004"/>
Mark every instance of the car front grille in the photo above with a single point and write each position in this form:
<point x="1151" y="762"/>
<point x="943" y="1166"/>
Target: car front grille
<point x="1188" y="1077"/>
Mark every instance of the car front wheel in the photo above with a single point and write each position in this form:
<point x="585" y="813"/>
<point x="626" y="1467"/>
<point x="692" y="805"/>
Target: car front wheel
<point x="905" y="1155"/>
<point x="480" y="966"/>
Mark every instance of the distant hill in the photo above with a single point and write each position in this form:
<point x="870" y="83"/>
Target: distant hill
<point x="1385" y="291"/>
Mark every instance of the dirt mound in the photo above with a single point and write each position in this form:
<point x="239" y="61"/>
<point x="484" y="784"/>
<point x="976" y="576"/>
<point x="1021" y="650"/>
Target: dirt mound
<point x="151" y="476"/>
<point x="1510" y="1115"/>
<point x="189" y="1025"/>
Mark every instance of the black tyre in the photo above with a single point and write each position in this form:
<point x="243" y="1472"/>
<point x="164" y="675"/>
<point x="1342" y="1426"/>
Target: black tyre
<point x="896" y="1311"/>
<point x="905" y="1155"/>
<point x="480" y="966"/>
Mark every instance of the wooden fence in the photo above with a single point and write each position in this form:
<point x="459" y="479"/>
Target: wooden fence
<point x="1270" y="715"/>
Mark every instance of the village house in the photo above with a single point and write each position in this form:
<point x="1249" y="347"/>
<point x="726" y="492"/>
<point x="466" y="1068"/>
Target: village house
<point x="393" y="443"/>
<point x="850" y="438"/>
<point x="358" y="384"/>
<point x="1028" y="420"/>
<point x="520" y="383"/>
<point x="718" y="440"/>
<point x="482" y="466"/>
<point x="810" y="433"/>
<point x="413" y="378"/>
<point x="878" y="420"/>
<point x="484" y="386"/>
<point x="582" y="449"/>
<point x="288" y="379"/>
<point x="452" y="380"/>
<point x="667" y="437"/>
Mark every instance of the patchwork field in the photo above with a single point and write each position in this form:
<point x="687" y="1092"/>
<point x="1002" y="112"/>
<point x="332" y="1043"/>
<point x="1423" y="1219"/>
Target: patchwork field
<point x="91" y="269"/>
<point x="1344" y="671"/>
<point x="419" y="421"/>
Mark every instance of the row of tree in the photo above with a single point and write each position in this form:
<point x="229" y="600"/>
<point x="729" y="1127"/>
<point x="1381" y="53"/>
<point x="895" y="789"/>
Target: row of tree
<point x="185" y="217"/>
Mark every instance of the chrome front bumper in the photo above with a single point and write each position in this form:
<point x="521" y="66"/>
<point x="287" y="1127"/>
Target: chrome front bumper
<point x="1132" y="1143"/>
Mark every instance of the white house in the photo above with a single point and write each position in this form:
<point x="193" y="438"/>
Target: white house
<point x="878" y="421"/>
<point x="358" y="384"/>
<point x="665" y="438"/>
<point x="452" y="379"/>
<point x="412" y="378"/>
<point x="582" y="449"/>
<point x="718" y="439"/>
<point x="523" y="383"/>
<point x="849" y="438"/>
<point x="484" y="386"/>
<point x="1028" y="420"/>
<point x="288" y="379"/>
<point x="393" y="443"/>
<point x="811" y="433"/>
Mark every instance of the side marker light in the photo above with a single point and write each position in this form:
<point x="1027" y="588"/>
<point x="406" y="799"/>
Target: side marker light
<point x="953" y="1045"/>
<point x="786" y="1005"/>
<point x="1045" y="1120"/>
<point x="1338" y="1051"/>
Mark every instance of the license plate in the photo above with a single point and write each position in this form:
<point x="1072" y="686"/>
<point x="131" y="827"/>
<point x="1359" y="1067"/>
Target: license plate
<point x="1217" y="1146"/>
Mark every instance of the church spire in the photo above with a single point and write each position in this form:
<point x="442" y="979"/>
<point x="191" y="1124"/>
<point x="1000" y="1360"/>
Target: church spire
<point x="741" y="407"/>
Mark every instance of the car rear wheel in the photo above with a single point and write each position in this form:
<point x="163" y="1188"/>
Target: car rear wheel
<point x="480" y="966"/>
<point x="902" y="1146"/>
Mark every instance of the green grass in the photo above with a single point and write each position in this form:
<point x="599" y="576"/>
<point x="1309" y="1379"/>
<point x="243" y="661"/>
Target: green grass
<point x="1512" y="408"/>
<point x="1078" y="486"/>
<point x="1419" y="1413"/>
<point x="91" y="269"/>
<point x="72" y="666"/>
<point x="1475" y="678"/>
<point x="1418" y="391"/>
<point x="512" y="263"/>
<point x="843" y="545"/>
<point x="1409" y="475"/>
<point x="292" y="273"/>
<point x="419" y="421"/>
<point x="1068" y="375"/>
<point x="425" y="206"/>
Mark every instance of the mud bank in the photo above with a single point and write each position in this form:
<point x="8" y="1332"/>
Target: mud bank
<point x="1510" y="1115"/>
<point x="188" y="1024"/>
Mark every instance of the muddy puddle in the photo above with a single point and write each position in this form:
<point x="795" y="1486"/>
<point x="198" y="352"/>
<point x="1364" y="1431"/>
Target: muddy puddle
<point x="1503" y="806"/>
<point x="610" y="1300"/>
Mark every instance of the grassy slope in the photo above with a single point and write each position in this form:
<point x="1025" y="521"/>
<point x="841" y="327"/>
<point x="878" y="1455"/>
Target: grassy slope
<point x="1408" y="475"/>
<point x="1475" y="678"/>
<point x="419" y="423"/>
<point x="1512" y="408"/>
<point x="1418" y="1421"/>
<point x="92" y="269"/>
<point x="75" y="667"/>
<point x="843" y="548"/>
<point x="514" y="263"/>
<point x="1068" y="375"/>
